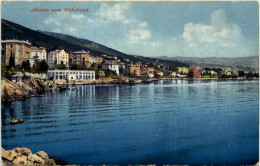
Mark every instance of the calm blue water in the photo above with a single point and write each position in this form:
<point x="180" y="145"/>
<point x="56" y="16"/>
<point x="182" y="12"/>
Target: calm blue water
<point x="166" y="122"/>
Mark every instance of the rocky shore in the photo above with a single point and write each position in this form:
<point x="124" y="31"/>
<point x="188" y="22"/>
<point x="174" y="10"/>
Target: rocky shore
<point x="24" y="156"/>
<point x="34" y="86"/>
<point x="27" y="88"/>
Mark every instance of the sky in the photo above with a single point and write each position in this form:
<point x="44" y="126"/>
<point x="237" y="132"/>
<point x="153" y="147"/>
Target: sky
<point x="188" y="29"/>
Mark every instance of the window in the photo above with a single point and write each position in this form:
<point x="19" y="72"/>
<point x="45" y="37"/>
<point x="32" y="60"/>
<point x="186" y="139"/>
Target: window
<point x="11" y="46"/>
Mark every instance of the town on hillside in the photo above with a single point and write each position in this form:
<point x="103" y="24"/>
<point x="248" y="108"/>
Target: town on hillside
<point x="20" y="57"/>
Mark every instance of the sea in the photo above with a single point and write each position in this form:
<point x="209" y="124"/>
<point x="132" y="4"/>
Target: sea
<point x="194" y="122"/>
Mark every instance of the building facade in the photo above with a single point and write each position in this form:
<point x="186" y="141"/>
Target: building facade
<point x="173" y="74"/>
<point x="37" y="53"/>
<point x="158" y="73"/>
<point x="194" y="73"/>
<point x="82" y="58"/>
<point x="71" y="75"/>
<point x="98" y="60"/>
<point x="134" y="69"/>
<point x="70" y="53"/>
<point x="16" y="51"/>
<point x="111" y="66"/>
<point x="58" y="57"/>
<point x="182" y="70"/>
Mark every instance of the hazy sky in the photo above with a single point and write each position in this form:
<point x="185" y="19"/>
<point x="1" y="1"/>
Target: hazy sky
<point x="194" y="29"/>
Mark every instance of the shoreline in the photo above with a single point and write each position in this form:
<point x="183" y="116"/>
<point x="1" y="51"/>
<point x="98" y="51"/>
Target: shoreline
<point x="24" y="156"/>
<point x="26" y="88"/>
<point x="33" y="87"/>
<point x="137" y="81"/>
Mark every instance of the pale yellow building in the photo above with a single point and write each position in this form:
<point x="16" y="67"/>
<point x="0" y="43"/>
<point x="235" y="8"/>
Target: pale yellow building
<point x="58" y="57"/>
<point x="183" y="70"/>
<point x="228" y="73"/>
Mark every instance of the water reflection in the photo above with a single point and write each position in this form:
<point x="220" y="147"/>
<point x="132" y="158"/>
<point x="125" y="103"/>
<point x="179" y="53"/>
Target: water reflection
<point x="165" y="122"/>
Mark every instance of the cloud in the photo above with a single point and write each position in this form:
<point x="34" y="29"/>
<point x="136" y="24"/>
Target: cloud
<point x="220" y="38"/>
<point x="113" y="13"/>
<point x="139" y="33"/>
<point x="116" y="25"/>
<point x="77" y="16"/>
<point x="220" y="31"/>
<point x="108" y="25"/>
<point x="51" y="21"/>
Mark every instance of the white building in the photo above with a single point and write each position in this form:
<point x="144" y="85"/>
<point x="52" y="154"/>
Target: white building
<point x="212" y="72"/>
<point x="111" y="66"/>
<point x="173" y="74"/>
<point x="151" y="75"/>
<point x="37" y="54"/>
<point x="181" y="75"/>
<point x="71" y="74"/>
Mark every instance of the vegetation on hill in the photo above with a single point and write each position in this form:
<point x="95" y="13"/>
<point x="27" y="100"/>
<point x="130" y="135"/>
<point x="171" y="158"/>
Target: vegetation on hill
<point x="53" y="41"/>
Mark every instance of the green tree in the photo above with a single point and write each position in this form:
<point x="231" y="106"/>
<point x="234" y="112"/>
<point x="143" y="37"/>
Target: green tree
<point x="250" y="74"/>
<point x="100" y="73"/>
<point x="75" y="67"/>
<point x="11" y="59"/>
<point x="26" y="66"/>
<point x="240" y="73"/>
<point x="94" y="66"/>
<point x="12" y="70"/>
<point x="256" y="75"/>
<point x="44" y="66"/>
<point x="62" y="67"/>
<point x="108" y="73"/>
<point x="40" y="66"/>
<point x="3" y="69"/>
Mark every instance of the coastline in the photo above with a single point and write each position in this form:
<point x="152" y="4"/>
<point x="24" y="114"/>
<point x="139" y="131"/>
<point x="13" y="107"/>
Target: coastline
<point x="138" y="81"/>
<point x="24" y="156"/>
<point x="33" y="87"/>
<point x="28" y="87"/>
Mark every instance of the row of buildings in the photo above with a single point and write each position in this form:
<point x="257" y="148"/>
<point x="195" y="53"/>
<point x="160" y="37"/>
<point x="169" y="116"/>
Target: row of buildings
<point x="20" y="51"/>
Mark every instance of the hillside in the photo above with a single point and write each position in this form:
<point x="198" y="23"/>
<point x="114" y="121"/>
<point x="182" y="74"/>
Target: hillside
<point x="230" y="64"/>
<point x="52" y="40"/>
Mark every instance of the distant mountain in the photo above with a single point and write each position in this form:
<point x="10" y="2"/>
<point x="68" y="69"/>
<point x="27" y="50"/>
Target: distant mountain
<point x="51" y="40"/>
<point x="230" y="64"/>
